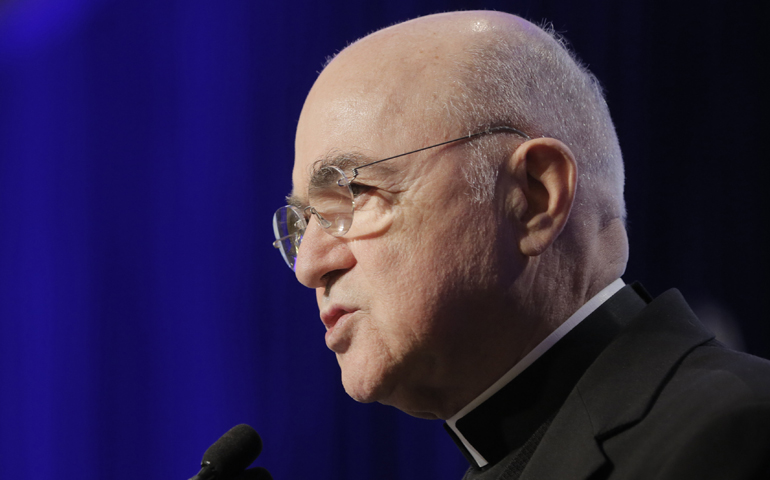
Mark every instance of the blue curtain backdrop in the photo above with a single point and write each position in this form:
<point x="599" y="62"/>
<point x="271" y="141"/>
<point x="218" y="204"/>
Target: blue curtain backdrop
<point x="145" y="144"/>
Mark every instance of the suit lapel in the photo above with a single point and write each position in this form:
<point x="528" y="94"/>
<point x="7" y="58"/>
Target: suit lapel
<point x="617" y="389"/>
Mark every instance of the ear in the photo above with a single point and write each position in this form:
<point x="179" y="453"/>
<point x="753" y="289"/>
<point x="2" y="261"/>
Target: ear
<point x="542" y="178"/>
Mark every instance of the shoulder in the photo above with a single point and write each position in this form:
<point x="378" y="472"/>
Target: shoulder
<point x="703" y="409"/>
<point x="710" y="420"/>
<point x="723" y="429"/>
<point x="714" y="372"/>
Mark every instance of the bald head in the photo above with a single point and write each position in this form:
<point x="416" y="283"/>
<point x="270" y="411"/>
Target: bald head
<point x="464" y="71"/>
<point x="397" y="78"/>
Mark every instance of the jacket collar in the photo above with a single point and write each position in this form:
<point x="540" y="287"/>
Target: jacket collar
<point x="504" y="422"/>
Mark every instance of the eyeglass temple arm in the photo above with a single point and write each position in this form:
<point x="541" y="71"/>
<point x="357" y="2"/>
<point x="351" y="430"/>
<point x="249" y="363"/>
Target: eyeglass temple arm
<point x="277" y="243"/>
<point x="501" y="128"/>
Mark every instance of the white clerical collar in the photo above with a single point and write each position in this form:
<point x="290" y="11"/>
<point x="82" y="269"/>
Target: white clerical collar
<point x="528" y="359"/>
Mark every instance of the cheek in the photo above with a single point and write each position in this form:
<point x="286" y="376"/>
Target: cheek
<point x="426" y="254"/>
<point x="397" y="271"/>
<point x="406" y="287"/>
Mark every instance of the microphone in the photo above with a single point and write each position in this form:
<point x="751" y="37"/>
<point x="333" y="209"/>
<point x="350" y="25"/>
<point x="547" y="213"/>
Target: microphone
<point x="256" y="473"/>
<point x="231" y="454"/>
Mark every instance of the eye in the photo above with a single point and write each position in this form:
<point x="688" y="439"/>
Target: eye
<point x="359" y="189"/>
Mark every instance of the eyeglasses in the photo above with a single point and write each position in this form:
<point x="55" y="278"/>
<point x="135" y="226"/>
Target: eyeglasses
<point x="332" y="200"/>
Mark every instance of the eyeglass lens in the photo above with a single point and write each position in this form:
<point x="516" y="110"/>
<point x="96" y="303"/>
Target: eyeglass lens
<point x="331" y="201"/>
<point x="289" y="226"/>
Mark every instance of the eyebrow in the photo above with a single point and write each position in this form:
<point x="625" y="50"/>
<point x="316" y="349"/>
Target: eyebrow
<point x="345" y="161"/>
<point x="319" y="173"/>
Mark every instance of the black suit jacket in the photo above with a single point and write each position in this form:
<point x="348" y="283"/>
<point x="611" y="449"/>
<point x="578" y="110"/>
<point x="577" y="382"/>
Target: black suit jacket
<point x="657" y="399"/>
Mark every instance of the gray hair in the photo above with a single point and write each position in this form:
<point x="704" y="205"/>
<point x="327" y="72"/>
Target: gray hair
<point x="537" y="85"/>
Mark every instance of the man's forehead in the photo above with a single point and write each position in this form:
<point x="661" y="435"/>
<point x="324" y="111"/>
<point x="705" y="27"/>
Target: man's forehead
<point x="346" y="130"/>
<point x="405" y="67"/>
<point x="383" y="95"/>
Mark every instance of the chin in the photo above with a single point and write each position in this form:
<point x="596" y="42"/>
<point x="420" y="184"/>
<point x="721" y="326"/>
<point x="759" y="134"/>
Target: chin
<point x="369" y="391"/>
<point x="362" y="393"/>
<point x="411" y="407"/>
<point x="365" y="385"/>
<point x="362" y="386"/>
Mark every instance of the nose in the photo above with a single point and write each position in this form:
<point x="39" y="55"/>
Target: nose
<point x="319" y="254"/>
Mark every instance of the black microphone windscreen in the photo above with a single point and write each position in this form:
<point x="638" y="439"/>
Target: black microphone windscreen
<point x="234" y="451"/>
<point x="256" y="473"/>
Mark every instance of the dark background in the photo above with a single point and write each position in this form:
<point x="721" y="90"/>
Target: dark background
<point x="144" y="145"/>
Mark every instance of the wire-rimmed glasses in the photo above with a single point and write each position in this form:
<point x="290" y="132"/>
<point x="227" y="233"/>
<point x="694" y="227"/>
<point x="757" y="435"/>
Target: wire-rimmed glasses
<point x="332" y="201"/>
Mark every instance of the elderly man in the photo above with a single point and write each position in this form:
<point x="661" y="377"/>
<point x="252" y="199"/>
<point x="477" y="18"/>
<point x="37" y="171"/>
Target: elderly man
<point x="466" y="253"/>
